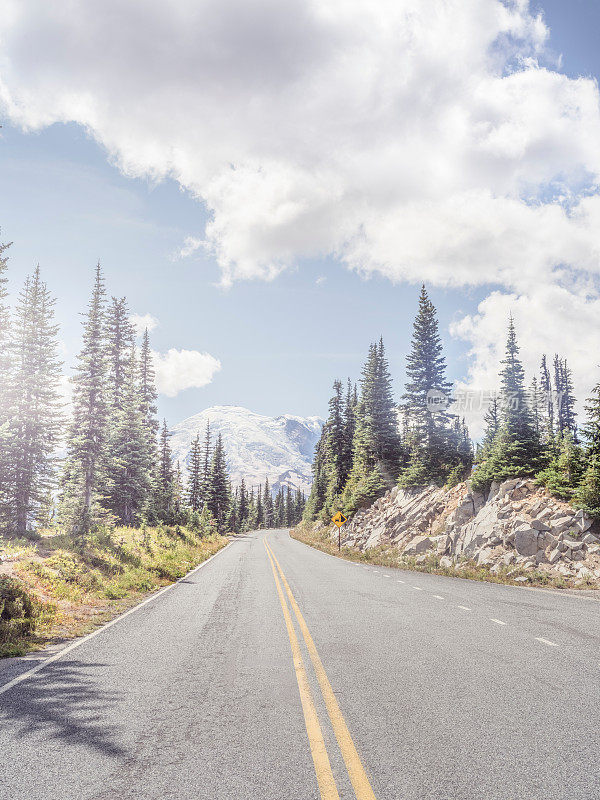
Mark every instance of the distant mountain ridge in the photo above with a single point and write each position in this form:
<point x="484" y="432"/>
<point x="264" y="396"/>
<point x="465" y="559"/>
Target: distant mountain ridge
<point x="257" y="446"/>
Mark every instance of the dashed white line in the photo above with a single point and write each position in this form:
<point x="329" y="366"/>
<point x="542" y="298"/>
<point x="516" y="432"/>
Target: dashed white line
<point x="399" y="581"/>
<point x="546" y="641"/>
<point x="418" y="588"/>
<point x="465" y="608"/>
<point x="497" y="621"/>
<point x="438" y="596"/>
<point x="387" y="576"/>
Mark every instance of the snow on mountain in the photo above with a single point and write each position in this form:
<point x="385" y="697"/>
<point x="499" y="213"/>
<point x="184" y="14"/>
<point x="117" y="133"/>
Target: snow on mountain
<point x="258" y="447"/>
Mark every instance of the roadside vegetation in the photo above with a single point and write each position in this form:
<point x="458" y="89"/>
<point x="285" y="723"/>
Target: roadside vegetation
<point x="58" y="587"/>
<point x="325" y="539"/>
<point x="372" y="442"/>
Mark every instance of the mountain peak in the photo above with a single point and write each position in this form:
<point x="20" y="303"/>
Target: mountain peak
<point x="258" y="446"/>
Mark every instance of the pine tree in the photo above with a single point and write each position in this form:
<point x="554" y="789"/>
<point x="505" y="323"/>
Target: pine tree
<point x="268" y="508"/>
<point x="164" y="490"/>
<point x="289" y="508"/>
<point x="219" y="496"/>
<point x="516" y="448"/>
<point x="315" y="506"/>
<point x="148" y="395"/>
<point x="119" y="335"/>
<point x="243" y="503"/>
<point x="587" y="494"/>
<point x="350" y="404"/>
<point x="128" y="461"/>
<point x="195" y="475"/>
<point x="34" y="428"/>
<point x="565" y="471"/>
<point x="385" y="417"/>
<point x="336" y="443"/>
<point x="82" y="481"/>
<point x="279" y="511"/>
<point x="547" y="434"/>
<point x="591" y="427"/>
<point x="492" y="423"/>
<point x="206" y="462"/>
<point x="259" y="517"/>
<point x="5" y="384"/>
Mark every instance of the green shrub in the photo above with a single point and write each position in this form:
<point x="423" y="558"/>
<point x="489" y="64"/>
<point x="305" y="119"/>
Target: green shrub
<point x="18" y="610"/>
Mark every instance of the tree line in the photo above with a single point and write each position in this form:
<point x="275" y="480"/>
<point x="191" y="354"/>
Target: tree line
<point x="118" y="467"/>
<point x="370" y="443"/>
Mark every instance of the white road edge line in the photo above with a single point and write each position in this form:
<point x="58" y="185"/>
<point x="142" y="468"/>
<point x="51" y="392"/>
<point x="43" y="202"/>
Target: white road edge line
<point x="79" y="642"/>
<point x="545" y="641"/>
<point x="465" y="608"/>
<point x="497" y="621"/>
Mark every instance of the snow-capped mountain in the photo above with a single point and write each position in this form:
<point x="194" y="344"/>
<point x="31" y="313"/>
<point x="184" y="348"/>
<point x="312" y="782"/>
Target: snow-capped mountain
<point x="258" y="447"/>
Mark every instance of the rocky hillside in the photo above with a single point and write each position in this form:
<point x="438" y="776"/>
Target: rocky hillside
<point x="519" y="527"/>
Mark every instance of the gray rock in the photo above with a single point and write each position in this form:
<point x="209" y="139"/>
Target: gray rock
<point x="419" y="544"/>
<point x="540" y="525"/>
<point x="554" y="556"/>
<point x="526" y="541"/>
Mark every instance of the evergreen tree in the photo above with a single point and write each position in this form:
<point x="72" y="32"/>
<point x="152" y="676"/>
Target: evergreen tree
<point x="350" y="405"/>
<point x="259" y="514"/>
<point x="492" y="423"/>
<point x="336" y="443"/>
<point x="565" y="471"/>
<point x="34" y="428"/>
<point x="206" y="462"/>
<point x="148" y="395"/>
<point x="128" y="461"/>
<point x="279" y="511"/>
<point x="591" y="427"/>
<point x="5" y="384"/>
<point x="164" y="489"/>
<point x="268" y="508"/>
<point x="82" y="481"/>
<point x="119" y="335"/>
<point x="289" y="508"/>
<point x="243" y="509"/>
<point x="316" y="502"/>
<point x="219" y="497"/>
<point x="547" y="434"/>
<point x="195" y="475"/>
<point x="515" y="451"/>
<point x="587" y="494"/>
<point x="233" y="523"/>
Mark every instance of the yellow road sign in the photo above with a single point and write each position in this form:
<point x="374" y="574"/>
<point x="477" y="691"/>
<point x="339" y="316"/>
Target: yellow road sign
<point x="339" y="519"/>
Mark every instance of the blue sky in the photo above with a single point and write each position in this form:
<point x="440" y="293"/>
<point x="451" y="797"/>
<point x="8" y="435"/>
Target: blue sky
<point x="68" y="201"/>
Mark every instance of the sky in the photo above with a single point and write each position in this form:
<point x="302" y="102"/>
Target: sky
<point x="270" y="183"/>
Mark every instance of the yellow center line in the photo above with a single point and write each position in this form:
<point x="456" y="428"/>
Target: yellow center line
<point x="318" y="750"/>
<point x="356" y="771"/>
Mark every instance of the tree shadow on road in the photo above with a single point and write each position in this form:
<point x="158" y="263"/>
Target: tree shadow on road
<point x="63" y="702"/>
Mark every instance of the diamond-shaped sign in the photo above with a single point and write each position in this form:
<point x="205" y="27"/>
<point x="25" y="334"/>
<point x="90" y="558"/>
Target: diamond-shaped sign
<point x="339" y="519"/>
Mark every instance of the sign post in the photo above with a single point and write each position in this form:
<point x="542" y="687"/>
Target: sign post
<point x="339" y="519"/>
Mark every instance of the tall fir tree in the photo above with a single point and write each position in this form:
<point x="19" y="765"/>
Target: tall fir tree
<point x="515" y="451"/>
<point x="5" y="386"/>
<point x="206" y="462"/>
<point x="268" y="507"/>
<point x="163" y="506"/>
<point x="119" y="337"/>
<point x="289" y="508"/>
<point x="336" y="443"/>
<point x="243" y="503"/>
<point x="129" y="463"/>
<point x="148" y="395"/>
<point x="547" y="433"/>
<point x="195" y="475"/>
<point x="219" y="496"/>
<point x="83" y="480"/>
<point x="35" y="425"/>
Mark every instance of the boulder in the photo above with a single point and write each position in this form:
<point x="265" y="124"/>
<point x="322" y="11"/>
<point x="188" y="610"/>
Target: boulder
<point x="526" y="541"/>
<point x="540" y="525"/>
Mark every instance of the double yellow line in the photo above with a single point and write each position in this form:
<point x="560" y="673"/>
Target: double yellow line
<point x="325" y="779"/>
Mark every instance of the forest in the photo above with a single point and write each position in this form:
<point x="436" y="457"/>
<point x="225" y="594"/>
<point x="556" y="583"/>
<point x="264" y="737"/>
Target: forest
<point x="117" y="467"/>
<point x="370" y="442"/>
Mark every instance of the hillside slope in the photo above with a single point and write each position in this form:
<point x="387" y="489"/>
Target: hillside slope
<point x="518" y="529"/>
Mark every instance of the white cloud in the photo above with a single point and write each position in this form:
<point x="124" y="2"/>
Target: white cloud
<point x="421" y="139"/>
<point x="142" y="321"/>
<point x="177" y="370"/>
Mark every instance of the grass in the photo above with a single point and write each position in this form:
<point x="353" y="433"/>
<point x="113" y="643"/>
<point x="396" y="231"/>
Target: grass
<point x="388" y="556"/>
<point x="69" y="587"/>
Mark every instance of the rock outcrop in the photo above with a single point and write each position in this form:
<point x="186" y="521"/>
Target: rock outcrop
<point x="518" y="526"/>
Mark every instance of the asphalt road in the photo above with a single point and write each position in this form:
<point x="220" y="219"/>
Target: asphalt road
<point x="304" y="680"/>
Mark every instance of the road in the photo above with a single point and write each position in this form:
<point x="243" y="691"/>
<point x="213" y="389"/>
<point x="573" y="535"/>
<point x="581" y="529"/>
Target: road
<point x="276" y="671"/>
